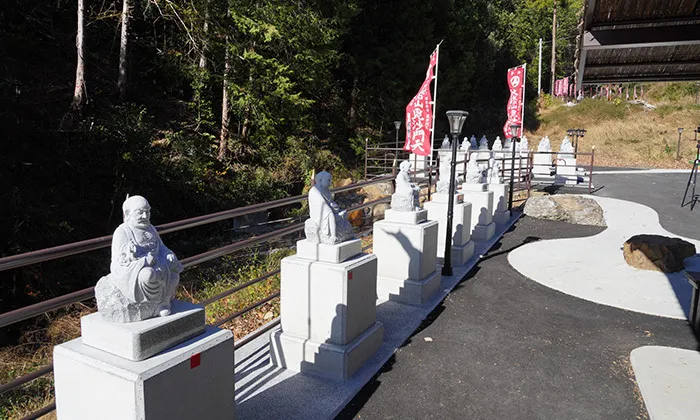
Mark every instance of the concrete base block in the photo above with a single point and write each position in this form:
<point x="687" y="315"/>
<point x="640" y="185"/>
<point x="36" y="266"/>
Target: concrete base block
<point x="501" y="218"/>
<point x="190" y="381"/>
<point x="483" y="233"/>
<point x="141" y="340"/>
<point x="329" y="253"/>
<point x="500" y="197"/>
<point x="482" y="206"/>
<point x="460" y="254"/>
<point x="328" y="302"/>
<point x="405" y="252"/>
<point x="406" y="217"/>
<point x="413" y="292"/>
<point x="444" y="198"/>
<point x="326" y="360"/>
<point x="461" y="223"/>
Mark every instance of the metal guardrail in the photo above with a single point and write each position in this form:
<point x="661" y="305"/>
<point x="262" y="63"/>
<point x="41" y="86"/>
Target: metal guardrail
<point x="34" y="257"/>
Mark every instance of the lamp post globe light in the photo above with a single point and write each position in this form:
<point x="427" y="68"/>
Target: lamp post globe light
<point x="456" y="120"/>
<point x="397" y="124"/>
<point x="514" y="130"/>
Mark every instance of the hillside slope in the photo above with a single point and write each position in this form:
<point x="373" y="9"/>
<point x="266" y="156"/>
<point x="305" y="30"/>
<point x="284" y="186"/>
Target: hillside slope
<point x="626" y="134"/>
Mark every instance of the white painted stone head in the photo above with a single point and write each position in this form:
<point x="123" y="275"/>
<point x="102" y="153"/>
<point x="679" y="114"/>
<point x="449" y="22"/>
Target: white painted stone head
<point x="405" y="166"/>
<point x="323" y="179"/>
<point x="137" y="212"/>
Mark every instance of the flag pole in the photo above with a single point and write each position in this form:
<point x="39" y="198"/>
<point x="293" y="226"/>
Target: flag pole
<point x="432" y="127"/>
<point x="522" y="116"/>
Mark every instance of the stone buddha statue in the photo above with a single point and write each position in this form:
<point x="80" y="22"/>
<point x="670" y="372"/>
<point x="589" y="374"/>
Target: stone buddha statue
<point x="494" y="174"/>
<point x="474" y="172"/>
<point x="327" y="224"/>
<point x="406" y="196"/>
<point x="144" y="273"/>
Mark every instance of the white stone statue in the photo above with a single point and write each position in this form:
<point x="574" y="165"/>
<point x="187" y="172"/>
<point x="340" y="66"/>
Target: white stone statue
<point x="474" y="173"/>
<point x="566" y="146"/>
<point x="443" y="185"/>
<point x="446" y="143"/>
<point x="472" y="140"/>
<point x="524" y="145"/>
<point x="466" y="145"/>
<point x="484" y="143"/>
<point x="144" y="273"/>
<point x="406" y="196"/>
<point x="327" y="224"/>
<point x="497" y="144"/>
<point x="545" y="145"/>
<point x="494" y="176"/>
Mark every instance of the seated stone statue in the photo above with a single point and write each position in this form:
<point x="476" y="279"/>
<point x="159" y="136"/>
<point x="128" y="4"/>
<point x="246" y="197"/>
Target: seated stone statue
<point x="474" y="173"/>
<point x="497" y="144"/>
<point x="443" y="184"/>
<point x="406" y="196"/>
<point x="566" y="146"/>
<point x="144" y="273"/>
<point x="484" y="143"/>
<point x="446" y="143"/>
<point x="327" y="224"/>
<point x="494" y="175"/>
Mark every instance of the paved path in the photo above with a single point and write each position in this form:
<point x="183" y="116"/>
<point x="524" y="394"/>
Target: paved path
<point x="595" y="269"/>
<point x="661" y="191"/>
<point x="504" y="347"/>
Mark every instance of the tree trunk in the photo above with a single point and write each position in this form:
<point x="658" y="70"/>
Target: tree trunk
<point x="204" y="49"/>
<point x="122" y="81"/>
<point x="225" y="112"/>
<point x="79" y="95"/>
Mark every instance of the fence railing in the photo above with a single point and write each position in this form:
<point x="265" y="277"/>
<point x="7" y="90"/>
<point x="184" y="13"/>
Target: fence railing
<point x="34" y="257"/>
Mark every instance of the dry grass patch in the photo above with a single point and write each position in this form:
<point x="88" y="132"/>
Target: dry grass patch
<point x="624" y="134"/>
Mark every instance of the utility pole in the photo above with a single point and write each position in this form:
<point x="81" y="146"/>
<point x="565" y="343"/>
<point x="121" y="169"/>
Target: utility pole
<point x="539" y="72"/>
<point x="554" y="47"/>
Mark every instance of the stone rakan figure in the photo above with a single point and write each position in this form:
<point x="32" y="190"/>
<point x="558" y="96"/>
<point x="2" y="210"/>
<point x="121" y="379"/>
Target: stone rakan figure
<point x="497" y="144"/>
<point x="446" y="143"/>
<point x="494" y="174"/>
<point x="144" y="273"/>
<point x="545" y="145"/>
<point x="566" y="146"/>
<point x="327" y="224"/>
<point x="466" y="145"/>
<point x="406" y="196"/>
<point x="443" y="184"/>
<point x="474" y="172"/>
<point x="484" y="143"/>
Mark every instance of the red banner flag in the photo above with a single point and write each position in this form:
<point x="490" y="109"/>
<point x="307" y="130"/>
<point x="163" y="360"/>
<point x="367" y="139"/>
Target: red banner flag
<point x="514" y="108"/>
<point x="419" y="116"/>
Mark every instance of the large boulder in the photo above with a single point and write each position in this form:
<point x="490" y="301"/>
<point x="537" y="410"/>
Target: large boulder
<point x="657" y="253"/>
<point x="566" y="208"/>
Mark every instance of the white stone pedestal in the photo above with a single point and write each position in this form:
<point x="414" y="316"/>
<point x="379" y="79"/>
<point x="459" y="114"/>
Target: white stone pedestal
<point x="141" y="340"/>
<point x="482" y="210"/>
<point x="542" y="165"/>
<point x="501" y="215"/>
<point x="329" y="317"/>
<point x="405" y="244"/>
<point x="566" y="170"/>
<point x="462" y="246"/>
<point x="193" y="380"/>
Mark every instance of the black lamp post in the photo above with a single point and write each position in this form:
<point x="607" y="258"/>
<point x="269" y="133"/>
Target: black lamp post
<point x="514" y="130"/>
<point x="678" y="150"/>
<point x="397" y="124"/>
<point x="456" y="119"/>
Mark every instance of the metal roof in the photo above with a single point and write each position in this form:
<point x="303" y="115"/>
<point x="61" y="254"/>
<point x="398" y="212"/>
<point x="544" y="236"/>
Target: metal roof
<point x="638" y="40"/>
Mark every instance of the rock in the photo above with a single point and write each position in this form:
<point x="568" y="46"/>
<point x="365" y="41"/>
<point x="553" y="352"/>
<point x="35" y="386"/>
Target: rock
<point x="344" y="182"/>
<point x="376" y="191"/>
<point x="566" y="208"/>
<point x="379" y="210"/>
<point x="356" y="218"/>
<point x="657" y="253"/>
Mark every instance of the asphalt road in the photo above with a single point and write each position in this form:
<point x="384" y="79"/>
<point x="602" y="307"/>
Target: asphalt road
<point x="662" y="192"/>
<point x="503" y="347"/>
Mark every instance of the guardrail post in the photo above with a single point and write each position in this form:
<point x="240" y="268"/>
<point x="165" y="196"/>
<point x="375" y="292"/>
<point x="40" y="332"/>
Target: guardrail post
<point x="366" y="146"/>
<point x="590" y="174"/>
